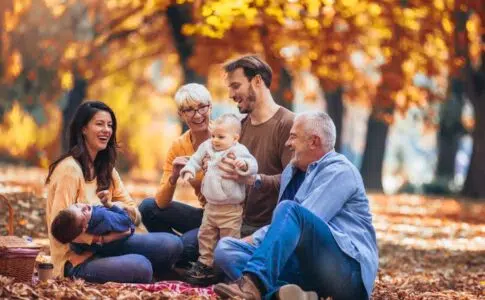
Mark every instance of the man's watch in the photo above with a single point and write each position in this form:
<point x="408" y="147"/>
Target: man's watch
<point x="258" y="183"/>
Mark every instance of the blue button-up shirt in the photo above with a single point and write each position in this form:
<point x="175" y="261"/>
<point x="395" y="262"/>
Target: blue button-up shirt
<point x="334" y="191"/>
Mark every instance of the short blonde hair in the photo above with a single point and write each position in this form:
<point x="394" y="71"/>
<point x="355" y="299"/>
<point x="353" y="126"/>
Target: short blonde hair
<point x="231" y="120"/>
<point x="192" y="93"/>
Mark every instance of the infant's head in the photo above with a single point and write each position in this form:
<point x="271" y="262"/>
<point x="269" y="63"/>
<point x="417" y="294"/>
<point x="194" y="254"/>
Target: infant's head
<point x="71" y="222"/>
<point x="225" y="131"/>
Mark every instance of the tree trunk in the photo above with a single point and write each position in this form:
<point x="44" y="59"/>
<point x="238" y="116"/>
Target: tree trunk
<point x="374" y="153"/>
<point x="281" y="86"/>
<point x="4" y="6"/>
<point x="335" y="109"/>
<point x="451" y="128"/>
<point x="450" y="132"/>
<point x="474" y="184"/>
<point x="74" y="99"/>
<point x="178" y="15"/>
<point x="284" y="93"/>
<point x="2" y="52"/>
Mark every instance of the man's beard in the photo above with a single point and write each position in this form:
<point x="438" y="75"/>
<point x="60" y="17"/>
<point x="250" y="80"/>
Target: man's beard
<point x="297" y="161"/>
<point x="250" y="99"/>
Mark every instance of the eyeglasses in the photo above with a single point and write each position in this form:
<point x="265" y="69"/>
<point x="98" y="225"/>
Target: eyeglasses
<point x="190" y="112"/>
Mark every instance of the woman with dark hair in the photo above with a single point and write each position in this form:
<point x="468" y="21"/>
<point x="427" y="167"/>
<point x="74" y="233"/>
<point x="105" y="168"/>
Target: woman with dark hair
<point x="86" y="174"/>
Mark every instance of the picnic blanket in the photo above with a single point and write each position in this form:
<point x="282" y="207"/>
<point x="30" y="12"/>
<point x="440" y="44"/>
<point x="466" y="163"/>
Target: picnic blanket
<point x="177" y="288"/>
<point x="79" y="289"/>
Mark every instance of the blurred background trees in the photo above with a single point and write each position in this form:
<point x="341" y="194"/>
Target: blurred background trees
<point x="380" y="69"/>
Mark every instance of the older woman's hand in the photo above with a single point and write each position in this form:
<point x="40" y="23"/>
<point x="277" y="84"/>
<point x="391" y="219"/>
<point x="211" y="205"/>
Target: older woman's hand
<point x="187" y="177"/>
<point x="178" y="164"/>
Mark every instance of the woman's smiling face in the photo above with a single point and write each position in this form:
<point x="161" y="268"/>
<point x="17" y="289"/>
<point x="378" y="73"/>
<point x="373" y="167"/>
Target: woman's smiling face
<point x="98" y="131"/>
<point x="196" y="115"/>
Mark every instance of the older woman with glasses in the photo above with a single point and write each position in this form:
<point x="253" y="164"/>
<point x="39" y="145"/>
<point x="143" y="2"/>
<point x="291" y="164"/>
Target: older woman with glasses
<point x="161" y="214"/>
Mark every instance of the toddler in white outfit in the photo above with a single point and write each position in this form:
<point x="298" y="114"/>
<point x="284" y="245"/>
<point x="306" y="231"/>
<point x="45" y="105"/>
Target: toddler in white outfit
<point x="225" y="197"/>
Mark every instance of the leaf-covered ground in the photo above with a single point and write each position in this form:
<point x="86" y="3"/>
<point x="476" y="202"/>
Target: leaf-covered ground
<point x="430" y="248"/>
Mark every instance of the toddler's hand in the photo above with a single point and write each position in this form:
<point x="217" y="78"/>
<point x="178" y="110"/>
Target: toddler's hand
<point x="187" y="176"/>
<point x="178" y="164"/>
<point x="105" y="197"/>
<point x="241" y="165"/>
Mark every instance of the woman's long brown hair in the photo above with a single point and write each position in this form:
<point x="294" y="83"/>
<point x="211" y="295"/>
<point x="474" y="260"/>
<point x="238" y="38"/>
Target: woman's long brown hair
<point x="105" y="159"/>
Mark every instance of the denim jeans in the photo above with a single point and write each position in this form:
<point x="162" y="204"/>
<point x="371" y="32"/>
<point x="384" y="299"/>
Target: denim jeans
<point x="298" y="248"/>
<point x="177" y="216"/>
<point x="138" y="257"/>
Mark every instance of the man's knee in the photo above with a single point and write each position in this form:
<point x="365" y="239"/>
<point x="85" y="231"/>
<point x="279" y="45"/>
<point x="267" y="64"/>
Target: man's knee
<point x="225" y="245"/>
<point x="287" y="205"/>
<point x="222" y="252"/>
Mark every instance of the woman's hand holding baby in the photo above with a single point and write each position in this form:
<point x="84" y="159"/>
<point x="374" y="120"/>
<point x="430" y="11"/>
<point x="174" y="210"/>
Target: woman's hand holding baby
<point x="113" y="236"/>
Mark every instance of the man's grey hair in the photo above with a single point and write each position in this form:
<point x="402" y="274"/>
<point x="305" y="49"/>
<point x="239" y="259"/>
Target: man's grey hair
<point x="321" y="125"/>
<point x="192" y="93"/>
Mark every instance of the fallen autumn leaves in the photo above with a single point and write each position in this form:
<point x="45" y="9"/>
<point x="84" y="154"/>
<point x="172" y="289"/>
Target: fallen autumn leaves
<point x="430" y="248"/>
<point x="78" y="289"/>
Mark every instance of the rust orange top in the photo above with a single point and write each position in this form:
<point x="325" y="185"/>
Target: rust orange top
<point x="182" y="146"/>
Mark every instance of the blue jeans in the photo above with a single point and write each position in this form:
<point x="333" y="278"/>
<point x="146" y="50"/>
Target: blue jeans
<point x="139" y="256"/>
<point x="177" y="216"/>
<point x="298" y="248"/>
